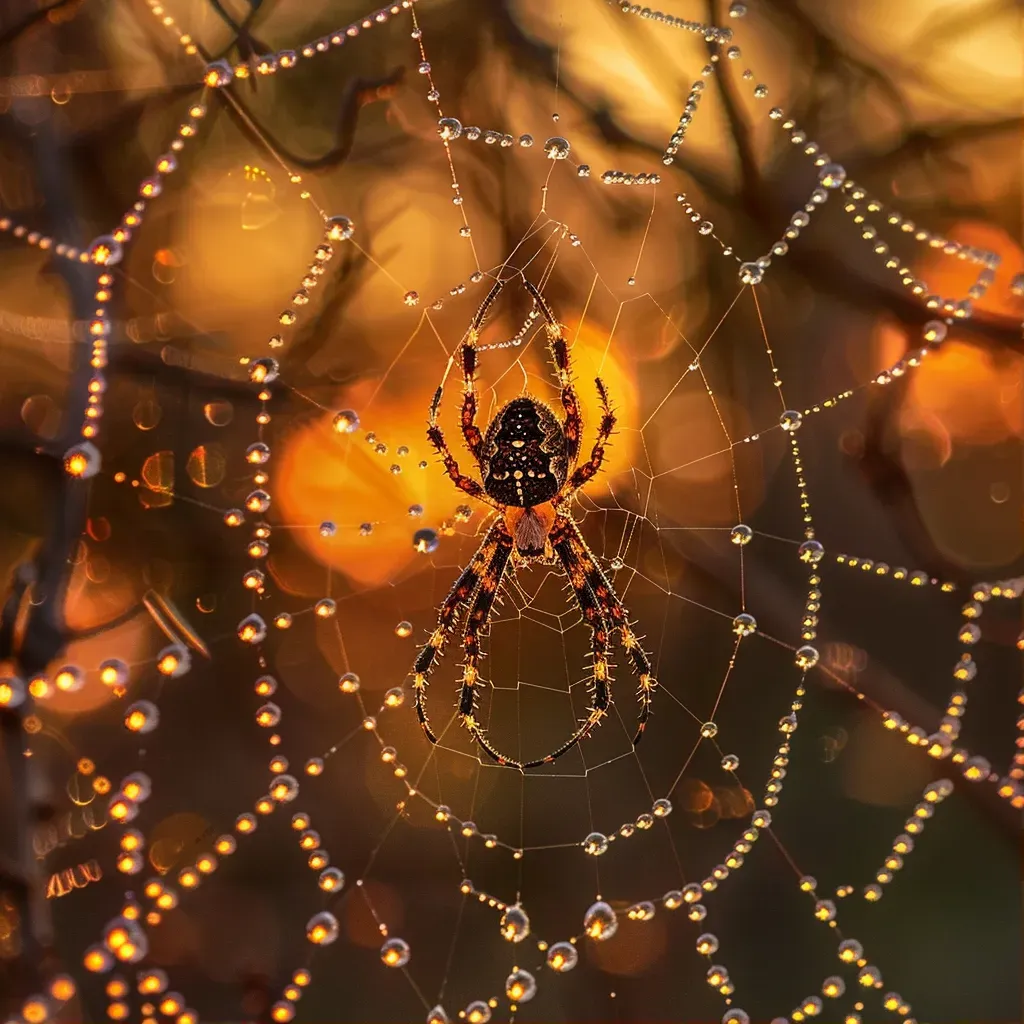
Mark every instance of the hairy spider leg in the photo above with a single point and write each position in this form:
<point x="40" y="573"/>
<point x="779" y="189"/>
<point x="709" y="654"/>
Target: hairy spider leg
<point x="572" y="426"/>
<point x="617" y="617"/>
<point x="591" y="468"/>
<point x="485" y="307"/>
<point x="476" y="622"/>
<point x="601" y="681"/>
<point x="460" y="595"/>
<point x="465" y="483"/>
<point x="470" y="397"/>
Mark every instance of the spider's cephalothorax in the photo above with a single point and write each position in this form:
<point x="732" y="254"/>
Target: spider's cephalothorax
<point x="528" y="461"/>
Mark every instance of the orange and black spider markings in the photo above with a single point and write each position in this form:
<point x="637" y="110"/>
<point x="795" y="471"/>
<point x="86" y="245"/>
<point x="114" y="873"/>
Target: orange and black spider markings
<point x="525" y="459"/>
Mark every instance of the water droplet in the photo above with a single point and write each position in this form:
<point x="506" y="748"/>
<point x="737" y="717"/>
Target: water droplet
<point x="832" y="175"/>
<point x="218" y="73"/>
<point x="105" y="251"/>
<point x="395" y="953"/>
<point x="268" y="715"/>
<point x="741" y="534"/>
<point x="557" y="148"/>
<point x="478" y="1012"/>
<point x="69" y="679"/>
<point x="449" y="128"/>
<point x="807" y="656"/>
<point x="744" y="624"/>
<point x="263" y="371"/>
<point x="595" y="844"/>
<point x="143" y="716"/>
<point x="562" y="956"/>
<point x="284" y="789"/>
<point x="520" y="986"/>
<point x="113" y="672"/>
<point x="600" y="922"/>
<point x="751" y="273"/>
<point x="515" y="924"/>
<point x="82" y="460"/>
<point x="811" y="551"/>
<point x="425" y="541"/>
<point x="12" y="691"/>
<point x="641" y="911"/>
<point x="322" y="928"/>
<point x="339" y="228"/>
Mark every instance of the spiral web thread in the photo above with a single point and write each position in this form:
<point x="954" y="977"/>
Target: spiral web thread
<point x="631" y="526"/>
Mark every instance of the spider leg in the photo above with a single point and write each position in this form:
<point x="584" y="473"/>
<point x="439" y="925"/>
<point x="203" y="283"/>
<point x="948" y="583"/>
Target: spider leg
<point x="458" y="596"/>
<point x="470" y="431"/>
<point x="591" y="468"/>
<point x="466" y="483"/>
<point x="573" y="424"/>
<point x="476" y="622"/>
<point x="617" y="617"/>
<point x="481" y="314"/>
<point x="595" y="619"/>
<point x="601" y="690"/>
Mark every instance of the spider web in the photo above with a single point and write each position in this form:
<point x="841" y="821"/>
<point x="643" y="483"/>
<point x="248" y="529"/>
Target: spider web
<point x="733" y="847"/>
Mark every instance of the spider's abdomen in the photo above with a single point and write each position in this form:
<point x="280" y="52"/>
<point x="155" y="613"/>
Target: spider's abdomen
<point x="524" y="456"/>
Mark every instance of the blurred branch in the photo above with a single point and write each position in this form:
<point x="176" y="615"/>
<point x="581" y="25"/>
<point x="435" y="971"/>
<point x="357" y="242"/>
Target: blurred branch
<point x="15" y="32"/>
<point x="778" y="607"/>
<point x="762" y="212"/>
<point x="73" y="635"/>
<point x="750" y="175"/>
<point x="344" y="285"/>
<point x="838" y="60"/>
<point x="827" y="272"/>
<point x="933" y="140"/>
<point x="42" y="636"/>
<point x="358" y="93"/>
<point x="246" y="43"/>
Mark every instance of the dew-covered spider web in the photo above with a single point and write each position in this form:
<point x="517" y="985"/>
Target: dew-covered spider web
<point x="809" y="507"/>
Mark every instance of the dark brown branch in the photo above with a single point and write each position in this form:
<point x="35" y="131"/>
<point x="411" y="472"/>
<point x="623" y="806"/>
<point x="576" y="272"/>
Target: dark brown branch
<point x="358" y="92"/>
<point x="74" y="635"/>
<point x="750" y="176"/>
<point x="15" y="32"/>
<point x="22" y="795"/>
<point x="778" y="608"/>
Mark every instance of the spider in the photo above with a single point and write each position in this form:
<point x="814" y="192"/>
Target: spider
<point x="528" y="461"/>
